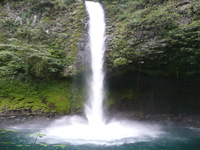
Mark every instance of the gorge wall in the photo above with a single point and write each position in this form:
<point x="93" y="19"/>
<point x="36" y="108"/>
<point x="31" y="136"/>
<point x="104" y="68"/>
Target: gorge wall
<point x="152" y="57"/>
<point x="39" y="44"/>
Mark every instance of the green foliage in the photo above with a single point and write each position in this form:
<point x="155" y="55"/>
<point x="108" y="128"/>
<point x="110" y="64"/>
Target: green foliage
<point x="41" y="39"/>
<point x="28" y="60"/>
<point x="185" y="42"/>
<point x="6" y="131"/>
<point x="62" y="146"/>
<point x="33" y="97"/>
<point x="43" y="145"/>
<point x="161" y="34"/>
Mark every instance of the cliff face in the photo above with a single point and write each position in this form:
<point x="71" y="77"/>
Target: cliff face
<point x="40" y="37"/>
<point x="161" y="35"/>
<point x="39" y="44"/>
<point x="153" y="56"/>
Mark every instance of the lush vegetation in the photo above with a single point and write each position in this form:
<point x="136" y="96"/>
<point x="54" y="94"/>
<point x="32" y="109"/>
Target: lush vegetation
<point x="39" y="43"/>
<point x="40" y="96"/>
<point x="38" y="49"/>
<point x="39" y="38"/>
<point x="160" y="35"/>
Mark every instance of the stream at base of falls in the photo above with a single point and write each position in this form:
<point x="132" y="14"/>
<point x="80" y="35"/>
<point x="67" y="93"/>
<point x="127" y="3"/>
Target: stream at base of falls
<point x="174" y="138"/>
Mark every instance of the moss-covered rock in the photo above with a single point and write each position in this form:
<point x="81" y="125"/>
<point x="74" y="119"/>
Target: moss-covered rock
<point x="41" y="96"/>
<point x="162" y="35"/>
<point x="39" y="45"/>
<point x="43" y="35"/>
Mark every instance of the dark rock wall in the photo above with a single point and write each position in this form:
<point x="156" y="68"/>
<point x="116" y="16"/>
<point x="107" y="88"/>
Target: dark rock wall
<point x="133" y="92"/>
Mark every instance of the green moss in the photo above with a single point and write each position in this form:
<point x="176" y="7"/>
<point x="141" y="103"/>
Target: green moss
<point x="38" y="97"/>
<point x="39" y="45"/>
<point x="110" y="102"/>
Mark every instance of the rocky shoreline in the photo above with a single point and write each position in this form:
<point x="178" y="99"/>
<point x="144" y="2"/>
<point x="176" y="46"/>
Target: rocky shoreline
<point x="181" y="119"/>
<point x="7" y="120"/>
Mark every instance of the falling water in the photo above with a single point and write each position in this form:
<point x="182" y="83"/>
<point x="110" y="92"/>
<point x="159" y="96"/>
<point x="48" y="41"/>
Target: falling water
<point x="77" y="129"/>
<point x="94" y="109"/>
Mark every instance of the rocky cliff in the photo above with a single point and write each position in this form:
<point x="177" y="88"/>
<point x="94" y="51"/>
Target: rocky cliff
<point x="40" y="42"/>
<point x="161" y="35"/>
<point x="152" y="45"/>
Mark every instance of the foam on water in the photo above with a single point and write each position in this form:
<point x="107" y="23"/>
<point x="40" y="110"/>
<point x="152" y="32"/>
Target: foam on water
<point x="77" y="130"/>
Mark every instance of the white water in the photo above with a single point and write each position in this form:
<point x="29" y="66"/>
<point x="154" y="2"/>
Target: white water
<point x="97" y="25"/>
<point x="78" y="130"/>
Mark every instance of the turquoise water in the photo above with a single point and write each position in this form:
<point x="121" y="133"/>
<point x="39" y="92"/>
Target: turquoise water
<point x="175" y="138"/>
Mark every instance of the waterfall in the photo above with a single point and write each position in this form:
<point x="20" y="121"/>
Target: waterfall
<point x="94" y="110"/>
<point x="93" y="130"/>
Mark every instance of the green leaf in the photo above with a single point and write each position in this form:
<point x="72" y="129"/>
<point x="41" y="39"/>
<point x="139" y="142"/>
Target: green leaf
<point x="63" y="146"/>
<point x="5" y="131"/>
<point x="43" y="145"/>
